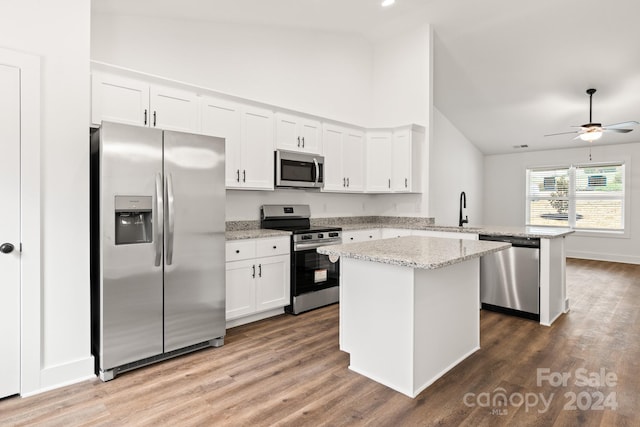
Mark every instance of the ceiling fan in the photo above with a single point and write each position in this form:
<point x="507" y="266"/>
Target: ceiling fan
<point x="593" y="131"/>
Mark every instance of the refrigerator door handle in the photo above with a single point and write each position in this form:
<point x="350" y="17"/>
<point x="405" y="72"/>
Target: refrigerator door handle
<point x="170" y="219"/>
<point x="159" y="220"/>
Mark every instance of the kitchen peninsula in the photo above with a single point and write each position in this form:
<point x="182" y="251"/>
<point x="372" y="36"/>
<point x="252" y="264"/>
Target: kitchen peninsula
<point x="409" y="306"/>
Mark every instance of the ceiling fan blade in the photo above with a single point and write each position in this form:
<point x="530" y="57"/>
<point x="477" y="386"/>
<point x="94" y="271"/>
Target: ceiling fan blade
<point x="622" y="125"/>
<point x="562" y="133"/>
<point x="604" y="129"/>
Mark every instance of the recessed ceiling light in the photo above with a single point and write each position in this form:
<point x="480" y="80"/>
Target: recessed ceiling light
<point x="386" y="3"/>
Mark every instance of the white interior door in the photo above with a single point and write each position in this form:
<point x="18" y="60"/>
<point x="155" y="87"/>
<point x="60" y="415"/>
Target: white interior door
<point x="10" y="231"/>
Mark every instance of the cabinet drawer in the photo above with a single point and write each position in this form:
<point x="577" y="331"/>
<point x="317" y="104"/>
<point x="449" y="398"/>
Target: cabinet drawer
<point x="240" y="249"/>
<point x="271" y="247"/>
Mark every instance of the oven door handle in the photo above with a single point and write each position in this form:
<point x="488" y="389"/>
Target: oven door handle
<point x="306" y="246"/>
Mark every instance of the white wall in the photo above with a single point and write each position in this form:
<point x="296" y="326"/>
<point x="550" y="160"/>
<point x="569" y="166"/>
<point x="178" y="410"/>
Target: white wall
<point x="505" y="204"/>
<point x="402" y="79"/>
<point x="58" y="32"/>
<point x="331" y="75"/>
<point x="456" y="165"/>
<point x="315" y="72"/>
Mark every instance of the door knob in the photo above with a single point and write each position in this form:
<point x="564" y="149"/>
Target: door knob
<point x="6" y="248"/>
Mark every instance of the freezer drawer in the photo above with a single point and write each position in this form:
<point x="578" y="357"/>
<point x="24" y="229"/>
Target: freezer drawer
<point x="510" y="279"/>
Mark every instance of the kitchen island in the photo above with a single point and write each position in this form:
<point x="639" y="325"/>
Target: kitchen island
<point x="409" y="306"/>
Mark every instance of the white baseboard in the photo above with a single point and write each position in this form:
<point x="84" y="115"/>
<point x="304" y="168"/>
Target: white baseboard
<point x="254" y="317"/>
<point x="62" y="375"/>
<point x="627" y="259"/>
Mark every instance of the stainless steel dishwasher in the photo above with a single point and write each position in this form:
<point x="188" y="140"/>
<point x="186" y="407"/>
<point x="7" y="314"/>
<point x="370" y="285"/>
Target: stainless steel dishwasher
<point x="510" y="279"/>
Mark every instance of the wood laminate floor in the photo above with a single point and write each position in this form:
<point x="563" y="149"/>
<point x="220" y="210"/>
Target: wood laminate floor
<point x="289" y="371"/>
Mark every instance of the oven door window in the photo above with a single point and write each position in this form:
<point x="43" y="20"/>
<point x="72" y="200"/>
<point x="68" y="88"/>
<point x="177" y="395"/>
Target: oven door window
<point x="313" y="271"/>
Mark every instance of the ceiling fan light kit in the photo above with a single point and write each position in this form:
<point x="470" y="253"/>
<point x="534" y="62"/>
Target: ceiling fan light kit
<point x="593" y="131"/>
<point x="590" y="135"/>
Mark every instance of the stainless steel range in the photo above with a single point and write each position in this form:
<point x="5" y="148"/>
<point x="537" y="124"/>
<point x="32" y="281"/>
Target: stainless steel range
<point x="314" y="279"/>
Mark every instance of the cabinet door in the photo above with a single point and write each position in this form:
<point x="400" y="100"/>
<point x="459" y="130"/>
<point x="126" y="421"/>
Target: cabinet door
<point x="287" y="137"/>
<point x="257" y="149"/>
<point x="295" y="133"/>
<point x="224" y="119"/>
<point x="353" y="155"/>
<point x="334" y="179"/>
<point x="389" y="233"/>
<point x="310" y="132"/>
<point x="378" y="162"/>
<point x="360" y="235"/>
<point x="174" y="109"/>
<point x="401" y="177"/>
<point x="241" y="288"/>
<point x="119" y="99"/>
<point x="273" y="285"/>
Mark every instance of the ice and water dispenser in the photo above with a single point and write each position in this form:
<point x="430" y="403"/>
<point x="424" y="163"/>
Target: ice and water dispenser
<point x="134" y="216"/>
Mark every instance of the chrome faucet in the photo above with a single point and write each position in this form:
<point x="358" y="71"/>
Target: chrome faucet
<point x="463" y="204"/>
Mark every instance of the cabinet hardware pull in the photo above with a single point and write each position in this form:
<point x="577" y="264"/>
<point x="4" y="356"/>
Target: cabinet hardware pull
<point x="237" y="251"/>
<point x="344" y="182"/>
<point x="154" y="118"/>
<point x="406" y="183"/>
<point x="351" y="238"/>
<point x="303" y="142"/>
<point x="389" y="182"/>
<point x="274" y="247"/>
<point x="145" y="116"/>
<point x="253" y="273"/>
<point x="347" y="182"/>
<point x="244" y="175"/>
<point x="259" y="270"/>
<point x="298" y="141"/>
<point x="238" y="175"/>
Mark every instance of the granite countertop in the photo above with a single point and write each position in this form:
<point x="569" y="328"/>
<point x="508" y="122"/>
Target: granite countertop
<point x="251" y="229"/>
<point x="254" y="233"/>
<point x="415" y="251"/>
<point x="493" y="230"/>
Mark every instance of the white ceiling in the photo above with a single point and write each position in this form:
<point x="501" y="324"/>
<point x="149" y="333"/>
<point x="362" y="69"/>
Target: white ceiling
<point x="506" y="72"/>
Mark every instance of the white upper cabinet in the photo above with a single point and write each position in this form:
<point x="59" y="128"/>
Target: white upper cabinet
<point x="174" y="109"/>
<point x="384" y="160"/>
<point x="248" y="132"/>
<point x="257" y="149"/>
<point x="297" y="133"/>
<point x="119" y="99"/>
<point x="379" y="164"/>
<point x="126" y="100"/>
<point x="394" y="161"/>
<point x="224" y="119"/>
<point x="344" y="159"/>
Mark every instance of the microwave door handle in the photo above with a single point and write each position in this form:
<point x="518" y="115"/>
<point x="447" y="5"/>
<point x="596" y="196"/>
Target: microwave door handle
<point x="170" y="218"/>
<point x="159" y="221"/>
<point x="315" y="162"/>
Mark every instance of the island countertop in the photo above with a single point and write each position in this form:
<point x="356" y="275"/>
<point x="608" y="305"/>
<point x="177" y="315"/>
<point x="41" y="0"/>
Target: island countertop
<point x="415" y="251"/>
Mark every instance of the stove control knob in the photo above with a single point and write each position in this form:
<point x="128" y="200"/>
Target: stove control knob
<point x="306" y="237"/>
<point x="320" y="236"/>
<point x="334" y="234"/>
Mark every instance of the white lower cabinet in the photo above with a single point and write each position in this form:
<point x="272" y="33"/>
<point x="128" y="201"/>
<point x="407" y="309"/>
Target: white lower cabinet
<point x="388" y="233"/>
<point x="360" y="235"/>
<point x="257" y="279"/>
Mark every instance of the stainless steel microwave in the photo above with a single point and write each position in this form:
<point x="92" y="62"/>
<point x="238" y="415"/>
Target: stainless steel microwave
<point x="299" y="170"/>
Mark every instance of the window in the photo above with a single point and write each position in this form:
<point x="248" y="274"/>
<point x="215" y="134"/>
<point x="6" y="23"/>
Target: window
<point x="583" y="197"/>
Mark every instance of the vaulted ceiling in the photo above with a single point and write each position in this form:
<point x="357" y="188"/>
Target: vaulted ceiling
<point x="505" y="72"/>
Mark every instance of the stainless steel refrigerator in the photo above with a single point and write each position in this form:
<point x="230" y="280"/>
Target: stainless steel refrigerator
<point x="157" y="245"/>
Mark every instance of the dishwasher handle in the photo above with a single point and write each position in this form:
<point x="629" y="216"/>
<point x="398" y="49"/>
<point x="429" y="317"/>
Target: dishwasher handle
<point x="516" y="241"/>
